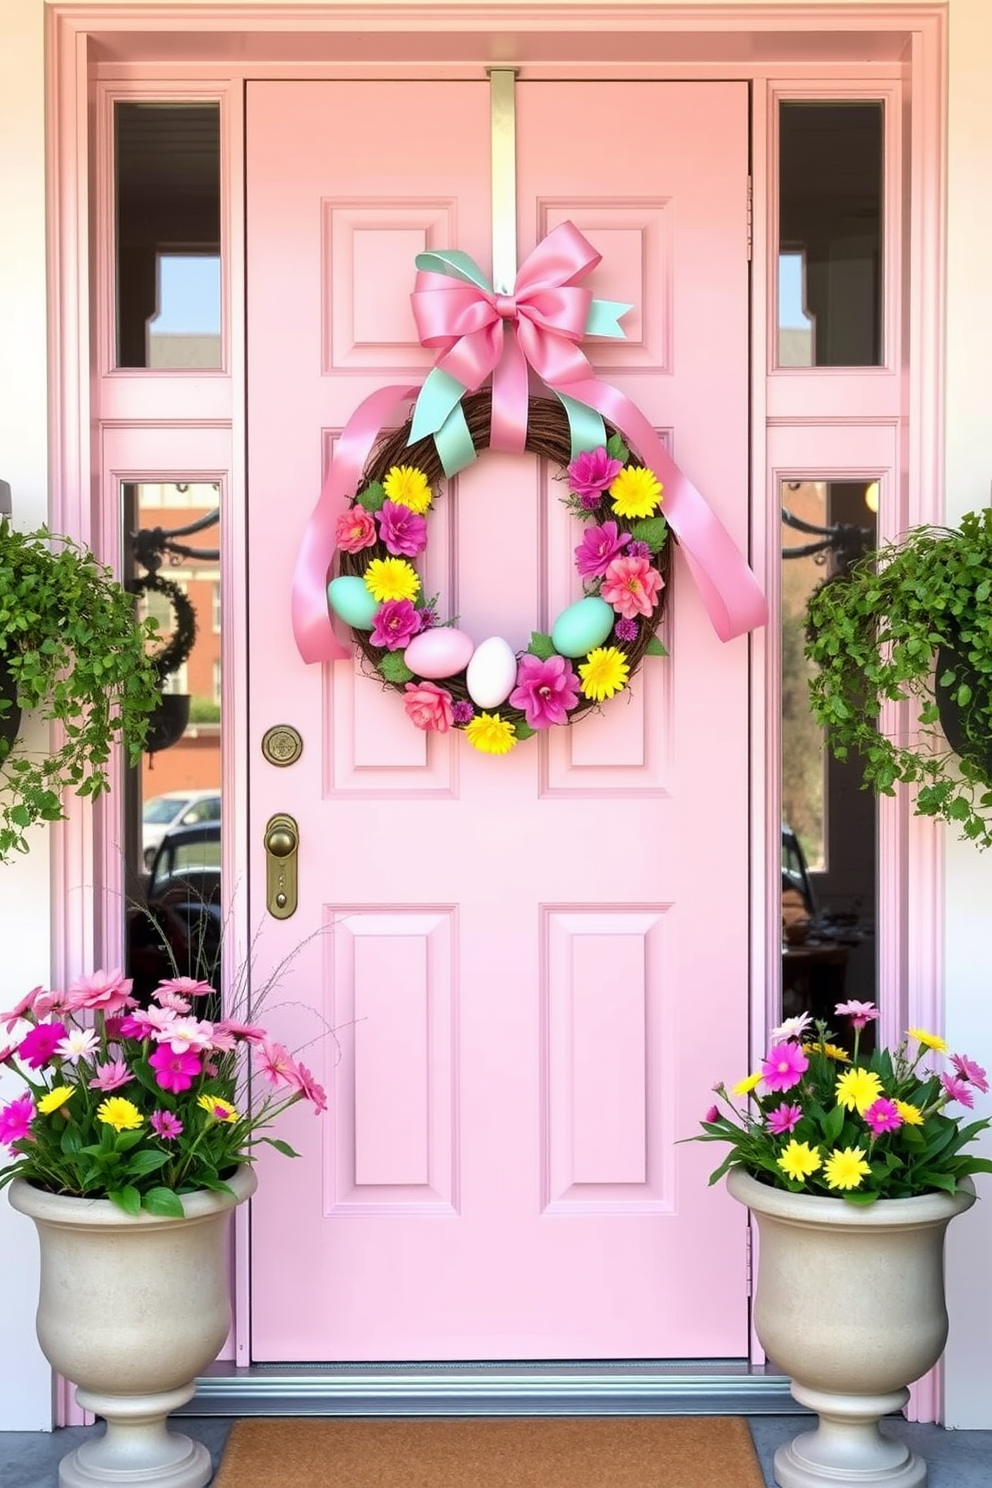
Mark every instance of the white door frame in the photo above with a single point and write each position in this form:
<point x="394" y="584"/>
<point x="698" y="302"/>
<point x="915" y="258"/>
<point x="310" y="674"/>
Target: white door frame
<point x="133" y="44"/>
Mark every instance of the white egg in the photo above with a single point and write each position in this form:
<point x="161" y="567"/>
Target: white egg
<point x="492" y="673"/>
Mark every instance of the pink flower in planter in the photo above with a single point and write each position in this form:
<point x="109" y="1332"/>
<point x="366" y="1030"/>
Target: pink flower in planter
<point x="15" y="1120"/>
<point x="299" y="1078"/>
<point x="783" y="1119"/>
<point x="165" y="1125"/>
<point x="957" y="1089"/>
<point x="111" y="1075"/>
<point x="783" y="1066"/>
<point x="185" y="986"/>
<point x="274" y="1062"/>
<point x="108" y="991"/>
<point x="970" y="1071"/>
<point x="173" y="1071"/>
<point x="37" y="1047"/>
<point x="26" y="1005"/>
<point x="883" y="1116"/>
<point x="859" y="1013"/>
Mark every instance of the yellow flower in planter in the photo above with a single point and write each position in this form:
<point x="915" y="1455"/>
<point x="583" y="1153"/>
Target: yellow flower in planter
<point x="119" y="1113"/>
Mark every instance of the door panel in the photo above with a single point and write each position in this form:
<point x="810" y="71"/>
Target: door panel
<point x="535" y="966"/>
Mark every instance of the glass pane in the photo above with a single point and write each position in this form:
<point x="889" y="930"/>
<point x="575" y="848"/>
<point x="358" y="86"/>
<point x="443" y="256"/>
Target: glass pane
<point x="830" y="235"/>
<point x="828" y="822"/>
<point x="168" y="235"/>
<point x="175" y="909"/>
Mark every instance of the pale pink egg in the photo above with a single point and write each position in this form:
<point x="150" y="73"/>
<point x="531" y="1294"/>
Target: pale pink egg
<point x="439" y="653"/>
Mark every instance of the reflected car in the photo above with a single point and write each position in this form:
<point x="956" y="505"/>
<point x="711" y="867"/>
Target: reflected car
<point x="179" y="929"/>
<point x="175" y="809"/>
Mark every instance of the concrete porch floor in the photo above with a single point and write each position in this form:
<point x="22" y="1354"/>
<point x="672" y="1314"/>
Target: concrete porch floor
<point x="956" y="1459"/>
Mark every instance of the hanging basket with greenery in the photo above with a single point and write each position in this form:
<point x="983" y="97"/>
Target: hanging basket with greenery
<point x="78" y="658"/>
<point x="911" y="622"/>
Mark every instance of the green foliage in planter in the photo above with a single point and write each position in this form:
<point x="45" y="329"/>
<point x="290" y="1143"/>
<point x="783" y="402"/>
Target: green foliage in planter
<point x="79" y="658"/>
<point x="874" y="635"/>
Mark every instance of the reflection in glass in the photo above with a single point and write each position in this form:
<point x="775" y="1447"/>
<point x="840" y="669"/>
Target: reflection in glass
<point x="828" y="823"/>
<point x="830" y="235"/>
<point x="175" y="914"/>
<point x="167" y="159"/>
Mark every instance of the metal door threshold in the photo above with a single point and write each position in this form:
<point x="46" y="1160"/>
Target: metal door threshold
<point x="709" y="1387"/>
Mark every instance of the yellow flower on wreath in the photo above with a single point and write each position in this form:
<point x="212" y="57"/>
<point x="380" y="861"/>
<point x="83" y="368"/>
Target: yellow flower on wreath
<point x="604" y="672"/>
<point x="799" y="1160"/>
<point x="407" y="486"/>
<point x="121" y="1114"/>
<point x="391" y="578"/>
<point x="490" y="734"/>
<point x="636" y="492"/>
<point x="56" y="1097"/>
<point x="846" y="1169"/>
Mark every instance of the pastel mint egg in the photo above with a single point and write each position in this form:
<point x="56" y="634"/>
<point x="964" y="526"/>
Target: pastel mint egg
<point x="582" y="626"/>
<point x="349" y="599"/>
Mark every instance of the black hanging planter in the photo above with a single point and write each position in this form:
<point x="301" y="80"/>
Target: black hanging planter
<point x="10" y="722"/>
<point x="955" y="720"/>
<point x="167" y="724"/>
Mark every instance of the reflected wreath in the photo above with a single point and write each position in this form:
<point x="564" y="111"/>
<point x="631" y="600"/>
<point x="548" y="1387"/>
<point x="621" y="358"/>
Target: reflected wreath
<point x="495" y="695"/>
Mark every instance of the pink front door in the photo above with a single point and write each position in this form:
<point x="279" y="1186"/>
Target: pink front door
<point x="536" y="966"/>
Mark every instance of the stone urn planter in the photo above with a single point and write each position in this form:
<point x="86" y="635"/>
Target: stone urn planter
<point x="131" y="1310"/>
<point x="850" y="1305"/>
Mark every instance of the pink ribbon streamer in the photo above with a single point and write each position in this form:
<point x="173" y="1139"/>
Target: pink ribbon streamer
<point x="315" y="638"/>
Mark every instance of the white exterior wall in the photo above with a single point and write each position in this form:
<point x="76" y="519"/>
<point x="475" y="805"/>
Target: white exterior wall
<point x="25" y="1393"/>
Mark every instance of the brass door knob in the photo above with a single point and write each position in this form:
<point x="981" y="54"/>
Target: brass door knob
<point x="282" y="841"/>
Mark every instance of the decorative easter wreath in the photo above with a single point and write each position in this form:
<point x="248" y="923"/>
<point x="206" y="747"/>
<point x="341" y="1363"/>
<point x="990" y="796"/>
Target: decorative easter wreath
<point x="623" y="561"/>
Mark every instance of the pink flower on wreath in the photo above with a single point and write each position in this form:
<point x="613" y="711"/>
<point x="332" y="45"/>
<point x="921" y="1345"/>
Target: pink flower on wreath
<point x="783" y="1119"/>
<point x="546" y="690"/>
<point x="883" y="1116"/>
<point x="970" y="1071"/>
<point x="15" y="1120"/>
<point x="957" y="1089"/>
<point x="37" y="1047"/>
<point x="631" y="586"/>
<point x="403" y="531"/>
<point x="592" y="471"/>
<point x="783" y="1066"/>
<point x="428" y="707"/>
<point x="355" y="530"/>
<point x="175" y="1072"/>
<point x="396" y="623"/>
<point x="105" y="991"/>
<point x="598" y="548"/>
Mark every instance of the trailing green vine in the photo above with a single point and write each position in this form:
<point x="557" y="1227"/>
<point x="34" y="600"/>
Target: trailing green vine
<point x="875" y="635"/>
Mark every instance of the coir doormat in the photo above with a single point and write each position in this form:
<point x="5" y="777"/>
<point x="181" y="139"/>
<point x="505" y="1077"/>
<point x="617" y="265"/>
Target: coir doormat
<point x="530" y="1452"/>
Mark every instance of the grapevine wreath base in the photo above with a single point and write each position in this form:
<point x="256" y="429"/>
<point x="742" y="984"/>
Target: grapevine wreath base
<point x="631" y="553"/>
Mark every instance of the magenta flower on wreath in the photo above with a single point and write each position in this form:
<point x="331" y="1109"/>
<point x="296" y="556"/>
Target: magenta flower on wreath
<point x="598" y="548"/>
<point x="403" y="531"/>
<point x="397" y="621"/>
<point x="631" y="586"/>
<point x="545" y="690"/>
<point x="462" y="712"/>
<point x="626" y="630"/>
<point x="592" y="471"/>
